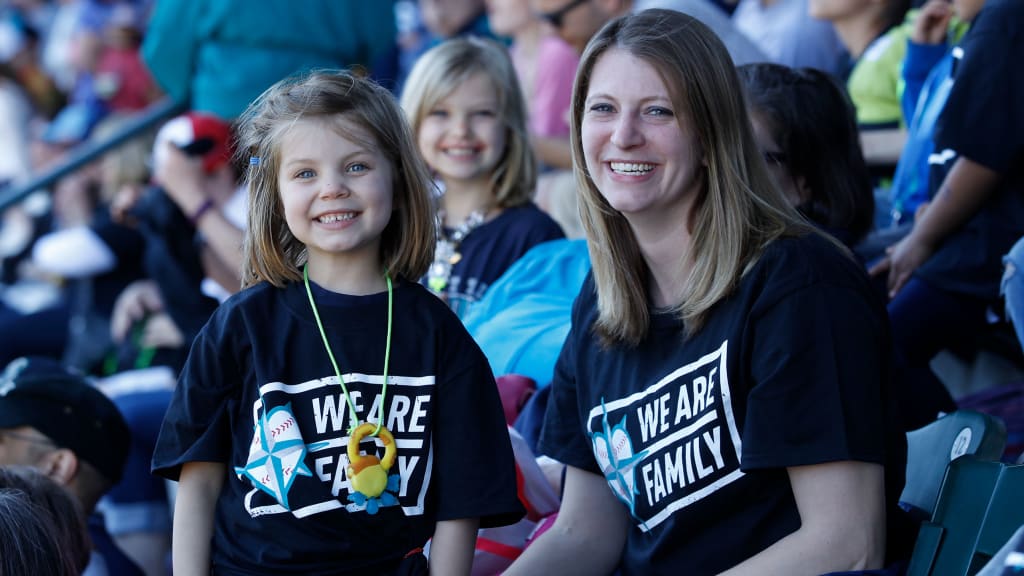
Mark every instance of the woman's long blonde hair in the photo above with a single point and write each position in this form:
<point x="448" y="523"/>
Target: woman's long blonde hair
<point x="738" y="210"/>
<point x="272" y="253"/>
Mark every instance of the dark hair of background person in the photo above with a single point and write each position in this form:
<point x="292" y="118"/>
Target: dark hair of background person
<point x="813" y="121"/>
<point x="62" y="516"/>
<point x="28" y="541"/>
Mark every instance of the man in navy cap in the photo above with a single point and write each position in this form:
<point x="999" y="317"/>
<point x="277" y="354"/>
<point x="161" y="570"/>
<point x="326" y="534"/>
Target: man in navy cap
<point x="54" y="420"/>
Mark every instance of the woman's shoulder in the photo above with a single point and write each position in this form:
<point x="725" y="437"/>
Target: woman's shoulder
<point x="804" y="271"/>
<point x="807" y="259"/>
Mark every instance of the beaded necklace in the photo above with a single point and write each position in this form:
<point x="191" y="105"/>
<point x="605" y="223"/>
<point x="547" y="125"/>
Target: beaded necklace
<point x="446" y="252"/>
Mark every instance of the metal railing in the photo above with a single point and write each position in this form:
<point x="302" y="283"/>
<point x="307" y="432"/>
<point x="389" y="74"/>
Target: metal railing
<point x="88" y="151"/>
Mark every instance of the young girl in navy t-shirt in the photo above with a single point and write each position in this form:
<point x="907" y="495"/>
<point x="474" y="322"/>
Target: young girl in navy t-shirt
<point x="334" y="416"/>
<point x="467" y="111"/>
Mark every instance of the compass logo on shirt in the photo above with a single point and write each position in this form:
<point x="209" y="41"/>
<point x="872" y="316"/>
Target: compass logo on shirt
<point x="276" y="455"/>
<point x="614" y="452"/>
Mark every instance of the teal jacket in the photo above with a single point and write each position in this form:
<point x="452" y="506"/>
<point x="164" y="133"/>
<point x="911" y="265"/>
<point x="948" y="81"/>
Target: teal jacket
<point x="219" y="55"/>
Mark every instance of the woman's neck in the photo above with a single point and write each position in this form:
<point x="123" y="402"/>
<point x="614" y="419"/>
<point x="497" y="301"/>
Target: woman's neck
<point x="859" y="32"/>
<point x="669" y="261"/>
<point x="527" y="38"/>
<point x="461" y="200"/>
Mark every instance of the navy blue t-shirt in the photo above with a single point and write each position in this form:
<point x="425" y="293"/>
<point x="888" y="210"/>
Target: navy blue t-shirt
<point x="491" y="248"/>
<point x="259" y="393"/>
<point x="984" y="121"/>
<point x="694" y="436"/>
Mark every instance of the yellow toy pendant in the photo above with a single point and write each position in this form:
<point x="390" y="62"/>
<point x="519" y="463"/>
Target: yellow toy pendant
<point x="368" y="474"/>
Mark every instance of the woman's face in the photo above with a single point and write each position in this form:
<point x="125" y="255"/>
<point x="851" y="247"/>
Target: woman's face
<point x="640" y="150"/>
<point x="446" y="17"/>
<point x="509" y="17"/>
<point x="836" y="10"/>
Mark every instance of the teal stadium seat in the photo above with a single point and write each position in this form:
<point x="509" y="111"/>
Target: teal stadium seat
<point x="980" y="506"/>
<point x="931" y="448"/>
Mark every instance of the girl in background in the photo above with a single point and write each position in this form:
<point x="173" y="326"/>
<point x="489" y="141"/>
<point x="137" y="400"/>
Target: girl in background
<point x="306" y="430"/>
<point x="806" y="129"/>
<point x="466" y="109"/>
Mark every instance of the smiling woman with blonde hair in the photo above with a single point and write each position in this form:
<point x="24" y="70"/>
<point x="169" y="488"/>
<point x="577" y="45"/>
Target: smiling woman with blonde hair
<point x="722" y="401"/>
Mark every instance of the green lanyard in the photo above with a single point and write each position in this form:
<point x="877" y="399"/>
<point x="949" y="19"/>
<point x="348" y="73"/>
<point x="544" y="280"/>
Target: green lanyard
<point x="353" y="417"/>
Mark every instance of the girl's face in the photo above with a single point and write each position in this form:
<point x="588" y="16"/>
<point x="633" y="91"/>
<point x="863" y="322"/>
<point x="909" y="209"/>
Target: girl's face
<point x="462" y="137"/>
<point x="337" y="192"/>
<point x="794" y="189"/>
<point x="640" y="151"/>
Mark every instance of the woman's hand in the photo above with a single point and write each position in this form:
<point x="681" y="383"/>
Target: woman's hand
<point x="901" y="261"/>
<point x="138" y="300"/>
<point x="181" y="176"/>
<point x="160" y="331"/>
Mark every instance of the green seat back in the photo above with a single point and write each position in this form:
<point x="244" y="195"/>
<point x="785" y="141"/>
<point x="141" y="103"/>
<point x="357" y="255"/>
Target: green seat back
<point x="931" y="448"/>
<point x="980" y="506"/>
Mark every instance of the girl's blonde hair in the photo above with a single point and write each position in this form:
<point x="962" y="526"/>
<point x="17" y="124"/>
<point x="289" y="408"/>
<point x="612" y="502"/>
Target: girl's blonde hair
<point x="272" y="253"/>
<point x="443" y="68"/>
<point x="738" y="210"/>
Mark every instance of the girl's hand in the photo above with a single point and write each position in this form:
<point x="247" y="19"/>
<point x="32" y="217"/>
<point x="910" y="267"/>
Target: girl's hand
<point x="932" y="22"/>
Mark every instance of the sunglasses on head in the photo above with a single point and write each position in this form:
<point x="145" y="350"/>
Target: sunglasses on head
<point x="555" y="18"/>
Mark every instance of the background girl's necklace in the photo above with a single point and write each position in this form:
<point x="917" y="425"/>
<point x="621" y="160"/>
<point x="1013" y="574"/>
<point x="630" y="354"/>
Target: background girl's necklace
<point x="446" y="254"/>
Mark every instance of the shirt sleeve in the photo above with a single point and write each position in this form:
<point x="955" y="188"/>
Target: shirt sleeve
<point x="474" y="469"/>
<point x="196" y="427"/>
<point x="818" y="372"/>
<point x="982" y="119"/>
<point x="917" y="65"/>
